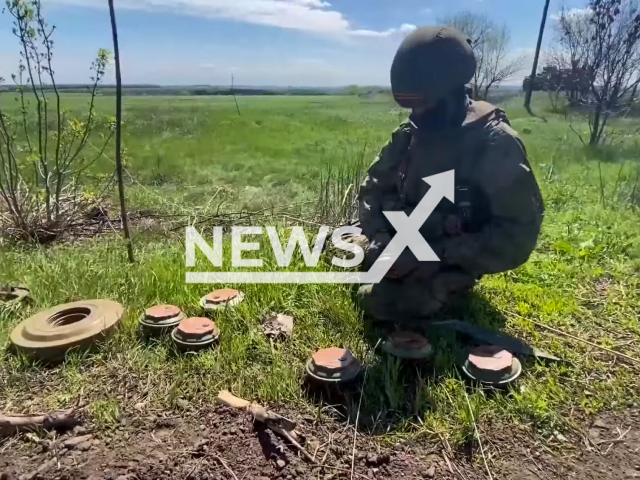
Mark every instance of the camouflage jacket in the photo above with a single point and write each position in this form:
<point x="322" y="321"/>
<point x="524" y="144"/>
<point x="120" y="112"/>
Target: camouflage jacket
<point x="497" y="196"/>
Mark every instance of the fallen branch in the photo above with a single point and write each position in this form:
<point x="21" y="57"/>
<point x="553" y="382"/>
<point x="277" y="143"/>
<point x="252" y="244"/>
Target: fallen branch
<point x="17" y="423"/>
<point x="614" y="441"/>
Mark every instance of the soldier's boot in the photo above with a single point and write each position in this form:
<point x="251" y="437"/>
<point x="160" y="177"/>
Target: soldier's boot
<point x="396" y="303"/>
<point x="452" y="285"/>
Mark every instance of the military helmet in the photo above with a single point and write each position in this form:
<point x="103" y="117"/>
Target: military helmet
<point x="430" y="63"/>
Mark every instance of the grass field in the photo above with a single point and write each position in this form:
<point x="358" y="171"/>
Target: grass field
<point x="582" y="279"/>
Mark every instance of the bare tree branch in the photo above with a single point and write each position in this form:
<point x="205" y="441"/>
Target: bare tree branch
<point x="602" y="45"/>
<point x="490" y="43"/>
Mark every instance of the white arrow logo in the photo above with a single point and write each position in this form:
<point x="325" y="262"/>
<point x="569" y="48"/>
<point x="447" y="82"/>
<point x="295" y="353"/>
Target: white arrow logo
<point x="407" y="235"/>
<point x="408" y="227"/>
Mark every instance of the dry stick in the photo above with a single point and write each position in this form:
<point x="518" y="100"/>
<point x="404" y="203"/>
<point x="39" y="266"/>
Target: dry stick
<point x="261" y="414"/>
<point x="475" y="428"/>
<point x="344" y="198"/>
<point x="197" y="465"/>
<point x="224" y="464"/>
<point x="293" y="442"/>
<point x="355" y="427"/>
<point x="446" y="459"/>
<point x="602" y="197"/>
<point x="619" y="439"/>
<point x="579" y="136"/>
<point x="578" y="339"/>
<point x="123" y="208"/>
<point x="12" y="424"/>
<point x="462" y="475"/>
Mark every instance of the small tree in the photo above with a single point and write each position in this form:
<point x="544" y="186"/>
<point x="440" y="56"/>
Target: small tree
<point x="43" y="147"/>
<point x="490" y="43"/>
<point x="496" y="65"/>
<point x="604" y="44"/>
<point x="573" y="31"/>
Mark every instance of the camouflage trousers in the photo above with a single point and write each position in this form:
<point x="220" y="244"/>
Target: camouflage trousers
<point x="416" y="297"/>
<point x="409" y="301"/>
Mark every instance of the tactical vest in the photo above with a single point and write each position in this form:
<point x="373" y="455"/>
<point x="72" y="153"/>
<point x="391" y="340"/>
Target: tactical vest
<point x="430" y="153"/>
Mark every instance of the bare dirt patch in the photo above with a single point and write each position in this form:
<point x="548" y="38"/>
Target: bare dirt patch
<point x="608" y="447"/>
<point x="225" y="444"/>
<point x="215" y="445"/>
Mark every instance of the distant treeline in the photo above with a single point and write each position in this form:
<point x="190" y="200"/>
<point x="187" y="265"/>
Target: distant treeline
<point x="213" y="90"/>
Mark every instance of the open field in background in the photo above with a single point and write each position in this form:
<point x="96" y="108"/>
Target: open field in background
<point x="184" y="149"/>
<point x="582" y="278"/>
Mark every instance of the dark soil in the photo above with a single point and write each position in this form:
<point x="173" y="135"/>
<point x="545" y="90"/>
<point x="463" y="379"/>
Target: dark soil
<point x="225" y="444"/>
<point x="608" y="448"/>
<point x="210" y="446"/>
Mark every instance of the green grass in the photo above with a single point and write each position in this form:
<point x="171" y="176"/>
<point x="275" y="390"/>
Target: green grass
<point x="182" y="150"/>
<point x="582" y="279"/>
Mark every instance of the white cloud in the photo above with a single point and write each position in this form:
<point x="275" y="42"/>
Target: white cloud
<point x="313" y="3"/>
<point x="307" y="15"/>
<point x="573" y="12"/>
<point x="404" y="29"/>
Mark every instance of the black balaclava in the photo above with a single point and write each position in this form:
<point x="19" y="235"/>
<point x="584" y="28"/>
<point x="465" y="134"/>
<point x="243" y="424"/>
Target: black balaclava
<point x="449" y="112"/>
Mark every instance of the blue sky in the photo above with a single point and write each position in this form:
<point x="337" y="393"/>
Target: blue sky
<point x="260" y="42"/>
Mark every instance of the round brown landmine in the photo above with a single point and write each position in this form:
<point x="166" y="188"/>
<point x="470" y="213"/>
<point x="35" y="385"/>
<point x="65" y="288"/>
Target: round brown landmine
<point x="492" y="365"/>
<point x="408" y="340"/>
<point x="160" y="319"/>
<point x="488" y="357"/>
<point x="195" y="333"/>
<point x="162" y="312"/>
<point x="408" y="346"/>
<point x="221" y="299"/>
<point x="196" y="327"/>
<point x="336" y="365"/>
<point x="223" y="295"/>
<point x="49" y="334"/>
